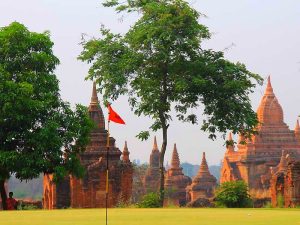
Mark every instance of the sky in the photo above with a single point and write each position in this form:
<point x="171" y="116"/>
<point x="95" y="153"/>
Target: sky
<point x="262" y="34"/>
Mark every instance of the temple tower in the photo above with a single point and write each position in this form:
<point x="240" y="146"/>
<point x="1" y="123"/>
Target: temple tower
<point x="253" y="158"/>
<point x="203" y="185"/>
<point x="176" y="182"/>
<point x="89" y="192"/>
<point x="152" y="177"/>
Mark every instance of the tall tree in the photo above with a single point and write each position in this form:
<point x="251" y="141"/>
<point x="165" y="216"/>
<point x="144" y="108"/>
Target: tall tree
<point x="38" y="131"/>
<point x="160" y="64"/>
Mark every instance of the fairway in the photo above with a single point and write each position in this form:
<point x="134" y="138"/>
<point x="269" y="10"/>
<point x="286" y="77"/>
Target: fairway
<point x="153" y="217"/>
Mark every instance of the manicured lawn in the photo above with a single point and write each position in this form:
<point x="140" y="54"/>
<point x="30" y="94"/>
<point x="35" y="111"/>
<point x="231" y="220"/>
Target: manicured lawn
<point x="153" y="217"/>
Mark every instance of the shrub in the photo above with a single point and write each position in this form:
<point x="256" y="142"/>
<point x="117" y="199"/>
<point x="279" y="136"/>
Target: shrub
<point x="233" y="194"/>
<point x="150" y="200"/>
<point x="280" y="201"/>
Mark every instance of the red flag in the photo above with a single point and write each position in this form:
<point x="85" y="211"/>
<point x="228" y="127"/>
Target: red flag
<point x="113" y="116"/>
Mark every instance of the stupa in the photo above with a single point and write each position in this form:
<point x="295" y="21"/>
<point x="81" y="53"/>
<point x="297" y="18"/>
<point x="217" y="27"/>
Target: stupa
<point x="176" y="182"/>
<point x="152" y="178"/>
<point x="252" y="160"/>
<point x="203" y="184"/>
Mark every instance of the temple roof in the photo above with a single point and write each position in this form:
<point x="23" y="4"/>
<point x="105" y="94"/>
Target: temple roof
<point x="155" y="147"/>
<point x="94" y="98"/>
<point x="203" y="179"/>
<point x="154" y="156"/>
<point x="125" y="149"/>
<point x="125" y="153"/>
<point x="203" y="167"/>
<point x="174" y="176"/>
<point x="297" y="127"/>
<point x="270" y="111"/>
<point x="175" y="163"/>
<point x="95" y="110"/>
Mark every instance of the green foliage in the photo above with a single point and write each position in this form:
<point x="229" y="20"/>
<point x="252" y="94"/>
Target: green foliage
<point x="27" y="207"/>
<point x="150" y="200"/>
<point x="233" y="194"/>
<point x="280" y="201"/>
<point x="268" y="205"/>
<point x="39" y="132"/>
<point x="160" y="64"/>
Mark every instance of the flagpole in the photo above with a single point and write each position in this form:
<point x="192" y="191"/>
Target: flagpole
<point x="106" y="188"/>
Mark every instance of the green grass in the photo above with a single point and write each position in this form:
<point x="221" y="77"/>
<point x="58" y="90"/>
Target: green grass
<point x="153" y="217"/>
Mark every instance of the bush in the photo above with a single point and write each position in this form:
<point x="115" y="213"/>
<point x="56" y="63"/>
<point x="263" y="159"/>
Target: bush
<point x="200" y="203"/>
<point x="268" y="205"/>
<point x="150" y="200"/>
<point x="27" y="207"/>
<point x="233" y="194"/>
<point x="280" y="201"/>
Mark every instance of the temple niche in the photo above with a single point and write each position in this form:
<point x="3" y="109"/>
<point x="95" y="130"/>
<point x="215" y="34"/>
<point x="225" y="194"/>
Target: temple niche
<point x="152" y="178"/>
<point x="203" y="185"/>
<point x="254" y="157"/>
<point x="176" y="182"/>
<point x="89" y="192"/>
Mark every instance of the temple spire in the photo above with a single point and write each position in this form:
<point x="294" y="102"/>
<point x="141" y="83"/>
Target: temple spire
<point x="175" y="163"/>
<point x="94" y="98"/>
<point x="270" y="111"/>
<point x="297" y="131"/>
<point x="297" y="127"/>
<point x="203" y="167"/>
<point x="269" y="89"/>
<point x="125" y="153"/>
<point x="95" y="110"/>
<point x="155" y="147"/>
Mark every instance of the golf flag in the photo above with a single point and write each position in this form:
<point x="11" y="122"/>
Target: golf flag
<point x="113" y="116"/>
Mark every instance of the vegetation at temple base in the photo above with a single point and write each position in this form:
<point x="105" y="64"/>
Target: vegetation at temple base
<point x="160" y="64"/>
<point x="35" y="124"/>
<point x="153" y="217"/>
<point x="150" y="200"/>
<point x="233" y="194"/>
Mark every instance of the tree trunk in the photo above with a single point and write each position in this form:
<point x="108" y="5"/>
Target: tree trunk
<point x="161" y="164"/>
<point x="3" y="194"/>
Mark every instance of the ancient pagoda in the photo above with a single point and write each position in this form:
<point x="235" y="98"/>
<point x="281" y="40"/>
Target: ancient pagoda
<point x="176" y="182"/>
<point x="203" y="184"/>
<point x="89" y="192"/>
<point x="152" y="177"/>
<point x="253" y="158"/>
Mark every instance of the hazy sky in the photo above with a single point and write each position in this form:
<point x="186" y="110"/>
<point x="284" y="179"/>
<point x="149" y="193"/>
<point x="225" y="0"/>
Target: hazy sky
<point x="263" y="34"/>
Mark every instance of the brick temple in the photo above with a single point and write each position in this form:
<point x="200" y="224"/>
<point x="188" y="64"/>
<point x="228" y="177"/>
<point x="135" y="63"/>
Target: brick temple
<point x="254" y="159"/>
<point x="203" y="185"/>
<point x="151" y="180"/>
<point x="176" y="182"/>
<point x="89" y="192"/>
<point x="285" y="182"/>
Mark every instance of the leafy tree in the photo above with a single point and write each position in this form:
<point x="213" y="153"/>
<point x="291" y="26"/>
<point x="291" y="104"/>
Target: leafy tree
<point x="160" y="65"/>
<point x="233" y="194"/>
<point x="38" y="131"/>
